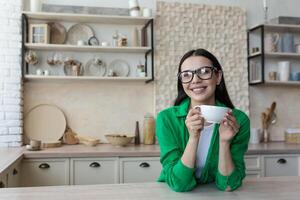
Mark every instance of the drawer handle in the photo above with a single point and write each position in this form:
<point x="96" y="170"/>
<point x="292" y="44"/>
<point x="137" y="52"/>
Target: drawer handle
<point x="144" y="165"/>
<point x="44" y="166"/>
<point x="2" y="185"/>
<point x="95" y="164"/>
<point x="281" y="161"/>
<point x="15" y="172"/>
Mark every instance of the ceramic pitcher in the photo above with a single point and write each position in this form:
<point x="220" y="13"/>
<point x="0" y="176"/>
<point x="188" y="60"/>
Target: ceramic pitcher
<point x="271" y="41"/>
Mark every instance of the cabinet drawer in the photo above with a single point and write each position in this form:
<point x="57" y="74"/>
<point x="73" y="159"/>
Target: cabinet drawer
<point x="94" y="171"/>
<point x="45" y="172"/>
<point x="252" y="162"/>
<point x="281" y="166"/>
<point x="135" y="170"/>
<point x="252" y="174"/>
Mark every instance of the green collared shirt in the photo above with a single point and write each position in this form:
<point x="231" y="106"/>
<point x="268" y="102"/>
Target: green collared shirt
<point x="173" y="136"/>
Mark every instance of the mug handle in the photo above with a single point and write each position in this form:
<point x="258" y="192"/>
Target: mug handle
<point x="277" y="37"/>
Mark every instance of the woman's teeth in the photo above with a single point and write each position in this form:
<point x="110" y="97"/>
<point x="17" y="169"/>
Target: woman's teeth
<point x="198" y="90"/>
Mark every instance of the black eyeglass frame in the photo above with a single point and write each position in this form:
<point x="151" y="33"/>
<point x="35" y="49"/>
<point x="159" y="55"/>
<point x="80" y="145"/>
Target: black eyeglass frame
<point x="213" y="69"/>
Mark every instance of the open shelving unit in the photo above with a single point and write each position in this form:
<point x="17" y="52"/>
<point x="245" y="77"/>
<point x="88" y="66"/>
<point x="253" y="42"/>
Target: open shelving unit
<point x="148" y="51"/>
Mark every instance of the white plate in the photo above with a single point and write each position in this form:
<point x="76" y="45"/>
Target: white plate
<point x="120" y="67"/>
<point x="79" y="32"/>
<point x="45" y="122"/>
<point x="92" y="68"/>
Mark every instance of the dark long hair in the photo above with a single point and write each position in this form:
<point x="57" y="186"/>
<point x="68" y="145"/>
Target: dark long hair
<point x="221" y="93"/>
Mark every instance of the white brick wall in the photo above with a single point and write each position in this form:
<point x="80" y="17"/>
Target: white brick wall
<point x="11" y="100"/>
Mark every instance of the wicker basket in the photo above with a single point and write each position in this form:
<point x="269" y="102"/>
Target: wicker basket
<point x="119" y="140"/>
<point x="292" y="135"/>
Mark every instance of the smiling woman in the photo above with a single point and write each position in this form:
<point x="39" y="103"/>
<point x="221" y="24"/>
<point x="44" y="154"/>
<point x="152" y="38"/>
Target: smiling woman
<point x="194" y="151"/>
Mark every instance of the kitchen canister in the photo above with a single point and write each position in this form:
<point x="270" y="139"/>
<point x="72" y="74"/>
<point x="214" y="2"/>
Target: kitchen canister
<point x="149" y="129"/>
<point x="284" y="70"/>
<point x="287" y="42"/>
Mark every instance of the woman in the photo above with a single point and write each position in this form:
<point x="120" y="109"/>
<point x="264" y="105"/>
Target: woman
<point x="192" y="150"/>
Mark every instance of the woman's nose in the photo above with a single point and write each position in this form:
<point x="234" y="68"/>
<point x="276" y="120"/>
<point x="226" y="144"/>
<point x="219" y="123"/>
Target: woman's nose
<point x="196" y="79"/>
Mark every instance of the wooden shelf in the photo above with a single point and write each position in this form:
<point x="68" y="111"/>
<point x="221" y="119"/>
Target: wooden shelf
<point x="87" y="18"/>
<point x="295" y="83"/>
<point x="282" y="27"/>
<point x="86" y="48"/>
<point x="37" y="77"/>
<point x="282" y="55"/>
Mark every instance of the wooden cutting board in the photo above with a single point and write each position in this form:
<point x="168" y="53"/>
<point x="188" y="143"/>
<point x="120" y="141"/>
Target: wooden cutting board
<point x="45" y="122"/>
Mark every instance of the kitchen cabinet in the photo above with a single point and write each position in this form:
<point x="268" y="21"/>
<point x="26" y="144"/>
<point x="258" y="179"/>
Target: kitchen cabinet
<point x="253" y="166"/>
<point x="45" y="172"/>
<point x="14" y="175"/>
<point x="281" y="165"/>
<point x="144" y="169"/>
<point x="3" y="180"/>
<point x="94" y="171"/>
<point x="105" y="25"/>
<point x="263" y="61"/>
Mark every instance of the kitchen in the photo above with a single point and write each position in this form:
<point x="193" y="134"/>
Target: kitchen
<point x="96" y="97"/>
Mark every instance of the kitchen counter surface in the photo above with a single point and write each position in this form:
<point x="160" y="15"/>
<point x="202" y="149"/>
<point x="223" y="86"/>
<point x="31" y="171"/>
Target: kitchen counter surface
<point x="8" y="156"/>
<point x="275" y="188"/>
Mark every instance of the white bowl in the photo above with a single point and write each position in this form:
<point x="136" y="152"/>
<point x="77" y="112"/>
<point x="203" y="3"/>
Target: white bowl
<point x="213" y="114"/>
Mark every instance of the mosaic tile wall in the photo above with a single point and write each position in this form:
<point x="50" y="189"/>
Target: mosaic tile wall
<point x="180" y="27"/>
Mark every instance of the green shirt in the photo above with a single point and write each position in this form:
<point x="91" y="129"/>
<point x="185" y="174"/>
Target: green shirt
<point x="173" y="136"/>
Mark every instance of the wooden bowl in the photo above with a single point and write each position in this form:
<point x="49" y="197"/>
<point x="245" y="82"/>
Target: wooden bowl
<point x="119" y="140"/>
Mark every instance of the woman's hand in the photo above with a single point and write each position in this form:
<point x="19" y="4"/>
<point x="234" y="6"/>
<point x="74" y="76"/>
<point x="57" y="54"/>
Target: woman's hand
<point x="228" y="127"/>
<point x="194" y="122"/>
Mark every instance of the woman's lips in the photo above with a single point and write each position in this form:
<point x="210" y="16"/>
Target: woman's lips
<point x="198" y="90"/>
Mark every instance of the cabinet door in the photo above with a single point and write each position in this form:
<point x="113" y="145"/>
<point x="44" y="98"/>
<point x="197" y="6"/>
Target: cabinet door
<point x="281" y="165"/>
<point x="45" y="172"/>
<point x="94" y="171"/>
<point x="3" y="180"/>
<point x="14" y="175"/>
<point x="133" y="170"/>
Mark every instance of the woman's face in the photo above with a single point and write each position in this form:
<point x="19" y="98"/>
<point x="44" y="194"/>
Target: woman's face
<point x="201" y="91"/>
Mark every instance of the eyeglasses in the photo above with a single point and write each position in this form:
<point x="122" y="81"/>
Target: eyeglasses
<point x="203" y="73"/>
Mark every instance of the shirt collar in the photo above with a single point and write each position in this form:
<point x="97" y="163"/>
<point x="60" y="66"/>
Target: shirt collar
<point x="183" y="107"/>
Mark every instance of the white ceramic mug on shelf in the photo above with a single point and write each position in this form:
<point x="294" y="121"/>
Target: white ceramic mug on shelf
<point x="35" y="5"/>
<point x="284" y="70"/>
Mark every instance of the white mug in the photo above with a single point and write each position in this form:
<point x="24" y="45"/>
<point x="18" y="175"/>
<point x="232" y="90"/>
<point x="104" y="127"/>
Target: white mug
<point x="147" y="12"/>
<point x="39" y="72"/>
<point x="255" y="136"/>
<point x="35" y="6"/>
<point x="46" y="72"/>
<point x="80" y="43"/>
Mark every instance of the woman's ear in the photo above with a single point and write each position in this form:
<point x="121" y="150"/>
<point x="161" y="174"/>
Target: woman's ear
<point x="219" y="77"/>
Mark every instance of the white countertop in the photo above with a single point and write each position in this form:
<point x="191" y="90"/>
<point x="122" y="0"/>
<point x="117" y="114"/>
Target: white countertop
<point x="278" y="188"/>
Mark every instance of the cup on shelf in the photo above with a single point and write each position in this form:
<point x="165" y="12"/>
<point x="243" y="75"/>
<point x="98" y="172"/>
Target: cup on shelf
<point x="104" y="44"/>
<point x="39" y="72"/>
<point x="147" y="12"/>
<point x="46" y="72"/>
<point x="80" y="43"/>
<point x="35" y="5"/>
